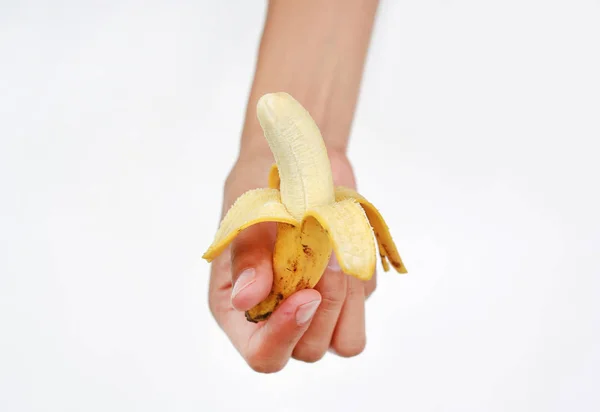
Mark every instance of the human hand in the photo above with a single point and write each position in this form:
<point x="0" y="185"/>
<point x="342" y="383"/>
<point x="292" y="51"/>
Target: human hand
<point x="308" y="323"/>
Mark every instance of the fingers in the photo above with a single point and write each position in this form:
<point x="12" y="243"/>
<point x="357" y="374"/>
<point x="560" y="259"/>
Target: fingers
<point x="270" y="346"/>
<point x="349" y="337"/>
<point x="305" y="325"/>
<point x="266" y="346"/>
<point x="251" y="265"/>
<point x="332" y="287"/>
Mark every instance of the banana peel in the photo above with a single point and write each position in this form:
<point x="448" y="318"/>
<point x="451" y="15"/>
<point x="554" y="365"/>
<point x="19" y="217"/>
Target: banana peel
<point x="314" y="218"/>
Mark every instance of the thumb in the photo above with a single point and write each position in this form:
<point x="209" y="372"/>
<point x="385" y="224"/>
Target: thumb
<point x="251" y="265"/>
<point x="271" y="346"/>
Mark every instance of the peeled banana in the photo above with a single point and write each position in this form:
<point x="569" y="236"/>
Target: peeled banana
<point x="314" y="218"/>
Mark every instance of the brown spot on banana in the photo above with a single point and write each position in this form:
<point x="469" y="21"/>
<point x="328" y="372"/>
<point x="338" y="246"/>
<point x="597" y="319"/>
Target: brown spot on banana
<point x="293" y="269"/>
<point x="312" y="216"/>
<point x="307" y="250"/>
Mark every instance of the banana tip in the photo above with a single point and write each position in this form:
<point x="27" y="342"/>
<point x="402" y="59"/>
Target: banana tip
<point x="269" y="102"/>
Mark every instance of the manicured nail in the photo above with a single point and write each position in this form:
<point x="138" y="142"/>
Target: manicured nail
<point x="246" y="278"/>
<point x="333" y="264"/>
<point x="306" y="311"/>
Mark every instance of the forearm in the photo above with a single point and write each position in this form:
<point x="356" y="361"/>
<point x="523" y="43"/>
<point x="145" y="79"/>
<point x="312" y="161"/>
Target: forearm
<point x="314" y="50"/>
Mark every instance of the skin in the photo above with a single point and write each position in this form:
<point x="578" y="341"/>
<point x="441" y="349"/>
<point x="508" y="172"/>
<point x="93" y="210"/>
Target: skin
<point x="315" y="51"/>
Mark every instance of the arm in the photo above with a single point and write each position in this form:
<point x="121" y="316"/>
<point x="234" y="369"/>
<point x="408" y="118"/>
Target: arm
<point x="314" y="50"/>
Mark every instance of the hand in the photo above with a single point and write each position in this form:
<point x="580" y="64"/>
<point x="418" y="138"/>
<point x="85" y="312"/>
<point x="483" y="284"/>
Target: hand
<point x="308" y="323"/>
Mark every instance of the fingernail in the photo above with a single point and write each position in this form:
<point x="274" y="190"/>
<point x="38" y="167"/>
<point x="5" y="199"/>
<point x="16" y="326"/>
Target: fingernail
<point x="306" y="311"/>
<point x="333" y="264"/>
<point x="244" y="280"/>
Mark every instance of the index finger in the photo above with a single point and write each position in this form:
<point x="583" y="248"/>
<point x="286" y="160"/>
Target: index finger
<point x="266" y="346"/>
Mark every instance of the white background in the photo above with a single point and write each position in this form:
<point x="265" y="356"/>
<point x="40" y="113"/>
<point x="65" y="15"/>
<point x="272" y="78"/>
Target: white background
<point x="476" y="135"/>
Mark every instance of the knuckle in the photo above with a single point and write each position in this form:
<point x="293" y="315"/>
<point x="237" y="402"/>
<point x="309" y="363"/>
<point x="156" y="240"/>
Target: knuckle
<point x="333" y="292"/>
<point x="309" y="353"/>
<point x="331" y="303"/>
<point x="215" y="302"/>
<point x="212" y="305"/>
<point x="356" y="289"/>
<point x="350" y="348"/>
<point x="370" y="287"/>
<point x="260" y="363"/>
<point x="262" y="366"/>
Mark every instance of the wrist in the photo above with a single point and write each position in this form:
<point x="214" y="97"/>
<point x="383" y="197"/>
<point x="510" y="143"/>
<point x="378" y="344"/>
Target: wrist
<point x="255" y="149"/>
<point x="334" y="131"/>
<point x="316" y="52"/>
<point x="251" y="170"/>
<point x="254" y="163"/>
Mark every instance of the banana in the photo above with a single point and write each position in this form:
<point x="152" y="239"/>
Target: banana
<point x="314" y="218"/>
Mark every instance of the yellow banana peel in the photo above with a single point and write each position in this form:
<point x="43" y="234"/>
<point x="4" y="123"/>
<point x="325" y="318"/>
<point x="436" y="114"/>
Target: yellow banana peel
<point x="314" y="218"/>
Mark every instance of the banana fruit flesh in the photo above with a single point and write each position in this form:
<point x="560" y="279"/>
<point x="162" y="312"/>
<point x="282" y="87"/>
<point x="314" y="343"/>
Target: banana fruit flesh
<point x="314" y="218"/>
